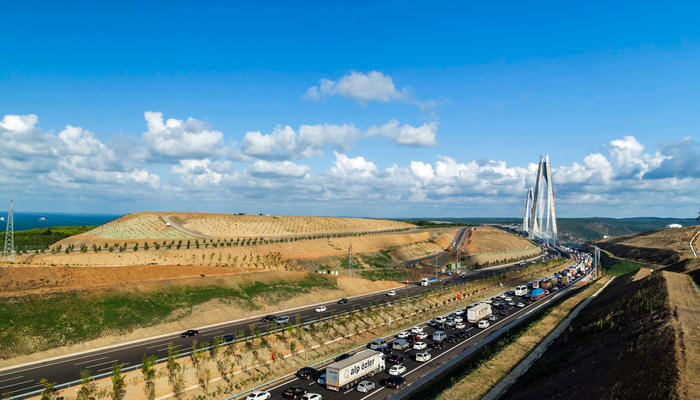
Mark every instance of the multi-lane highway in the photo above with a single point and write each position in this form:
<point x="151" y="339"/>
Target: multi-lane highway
<point x="20" y="380"/>
<point x="415" y="369"/>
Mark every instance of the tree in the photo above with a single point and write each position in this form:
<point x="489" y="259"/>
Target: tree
<point x="175" y="373"/>
<point x="118" y="383"/>
<point x="88" y="387"/>
<point x="149" y="376"/>
<point x="49" y="392"/>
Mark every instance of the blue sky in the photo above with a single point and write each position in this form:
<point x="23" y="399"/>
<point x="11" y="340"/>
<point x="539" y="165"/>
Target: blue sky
<point x="432" y="108"/>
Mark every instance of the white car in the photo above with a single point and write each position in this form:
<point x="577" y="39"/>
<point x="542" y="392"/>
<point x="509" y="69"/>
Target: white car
<point x="460" y="325"/>
<point x="423" y="356"/>
<point x="320" y="308"/>
<point x="440" y="319"/>
<point x="403" y="335"/>
<point x="421" y="336"/>
<point x="262" y="395"/>
<point x="483" y="324"/>
<point x="397" y="370"/>
<point x="493" y="317"/>
<point x="365" y="386"/>
<point x="391" y="293"/>
<point x="508" y="298"/>
<point x="458" y="319"/>
<point x="311" y="396"/>
<point x="521" y="305"/>
<point x="417" y="329"/>
<point x="420" y="346"/>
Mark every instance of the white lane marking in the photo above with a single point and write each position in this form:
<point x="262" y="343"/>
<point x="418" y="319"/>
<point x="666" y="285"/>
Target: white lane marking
<point x="211" y="333"/>
<point x="312" y="382"/>
<point x="89" y="361"/>
<point x="16" y="384"/>
<point x="12" y="379"/>
<point x="348" y="391"/>
<point x="282" y="384"/>
<point x="102" y="363"/>
<point x="376" y="391"/>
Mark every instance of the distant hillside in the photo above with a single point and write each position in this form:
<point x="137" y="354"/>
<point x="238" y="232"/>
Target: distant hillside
<point x="579" y="230"/>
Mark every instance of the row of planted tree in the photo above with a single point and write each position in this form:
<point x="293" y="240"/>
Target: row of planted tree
<point x="216" y="370"/>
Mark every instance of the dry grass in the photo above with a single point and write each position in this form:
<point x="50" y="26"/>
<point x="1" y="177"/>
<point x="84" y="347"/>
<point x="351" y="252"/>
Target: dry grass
<point x="486" y="244"/>
<point x="479" y="382"/>
<point x="684" y="300"/>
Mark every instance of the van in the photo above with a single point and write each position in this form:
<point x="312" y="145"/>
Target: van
<point x="376" y="343"/>
<point x="439" y="336"/>
<point x="400" y="344"/>
<point x="521" y="290"/>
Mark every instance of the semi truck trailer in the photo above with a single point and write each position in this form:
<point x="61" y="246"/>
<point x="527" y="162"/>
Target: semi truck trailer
<point x="346" y="373"/>
<point x="479" y="311"/>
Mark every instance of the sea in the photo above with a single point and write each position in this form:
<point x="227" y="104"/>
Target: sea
<point x="33" y="220"/>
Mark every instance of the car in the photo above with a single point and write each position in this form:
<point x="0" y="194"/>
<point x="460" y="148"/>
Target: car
<point x="493" y="317"/>
<point x="394" y="382"/>
<point x="189" y="332"/>
<point x="423" y="356"/>
<point x="228" y="338"/>
<point x="343" y="357"/>
<point x="397" y="370"/>
<point x="511" y="303"/>
<point x="294" y="392"/>
<point x="420" y="346"/>
<point x="421" y="336"/>
<point x="546" y="292"/>
<point x="365" y="386"/>
<point x="307" y="373"/>
<point x="521" y="305"/>
<point x="311" y="396"/>
<point x="395" y="359"/>
<point x="440" y="319"/>
<point x="376" y="343"/>
<point x="508" y="298"/>
<point x="460" y="325"/>
<point x="417" y="329"/>
<point x="258" y="395"/>
<point x="268" y="318"/>
<point x="281" y="320"/>
<point x="452" y="339"/>
<point x="412" y="338"/>
<point x="384" y="349"/>
<point x="320" y="309"/>
<point x="403" y="335"/>
<point x="391" y="293"/>
<point x="483" y="324"/>
<point x="321" y="379"/>
<point x="437" y="345"/>
<point x="458" y="319"/>
<point x="463" y="334"/>
<point x="343" y="301"/>
<point x="450" y="323"/>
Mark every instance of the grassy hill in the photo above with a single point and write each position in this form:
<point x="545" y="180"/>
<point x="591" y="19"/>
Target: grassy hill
<point x="32" y="239"/>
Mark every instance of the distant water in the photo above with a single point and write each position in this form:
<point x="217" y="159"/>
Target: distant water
<point x="37" y="220"/>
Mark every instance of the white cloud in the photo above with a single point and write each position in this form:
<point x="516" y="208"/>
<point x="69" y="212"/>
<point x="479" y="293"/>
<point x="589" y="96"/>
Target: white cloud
<point x="628" y="156"/>
<point x="356" y="167"/>
<point x="405" y="134"/>
<point x="278" y="169"/>
<point x="174" y="138"/>
<point x="199" y="173"/>
<point x="286" y="143"/>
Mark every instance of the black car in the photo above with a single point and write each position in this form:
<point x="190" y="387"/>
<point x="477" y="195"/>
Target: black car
<point x="189" y="332"/>
<point x="394" y="382"/>
<point x="343" y="357"/>
<point x="229" y="338"/>
<point x="395" y="359"/>
<point x="384" y="349"/>
<point x="412" y="338"/>
<point x="343" y="301"/>
<point x="294" y="392"/>
<point x="307" y="373"/>
<point x="452" y="339"/>
<point x="437" y="345"/>
<point x="267" y="318"/>
<point x="463" y="334"/>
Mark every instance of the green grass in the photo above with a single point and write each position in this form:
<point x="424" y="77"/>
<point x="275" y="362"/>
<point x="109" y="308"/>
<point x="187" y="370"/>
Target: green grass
<point x="32" y="239"/>
<point x="618" y="266"/>
<point x="79" y="316"/>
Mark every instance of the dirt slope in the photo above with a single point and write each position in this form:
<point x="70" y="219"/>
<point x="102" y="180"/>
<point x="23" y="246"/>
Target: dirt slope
<point x="624" y="345"/>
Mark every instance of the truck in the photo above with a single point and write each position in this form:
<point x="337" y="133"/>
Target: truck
<point x="536" y="294"/>
<point x="479" y="311"/>
<point x="565" y="280"/>
<point x="346" y="373"/>
<point x="428" y="281"/>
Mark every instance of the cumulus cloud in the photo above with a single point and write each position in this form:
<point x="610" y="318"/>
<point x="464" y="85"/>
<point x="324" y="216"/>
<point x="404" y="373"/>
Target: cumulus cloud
<point x="286" y="143"/>
<point x="175" y="139"/>
<point x="278" y="169"/>
<point x="407" y="135"/>
<point x="365" y="87"/>
<point x="355" y="167"/>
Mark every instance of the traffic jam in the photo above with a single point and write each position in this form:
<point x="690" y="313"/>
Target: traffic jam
<point x="391" y="363"/>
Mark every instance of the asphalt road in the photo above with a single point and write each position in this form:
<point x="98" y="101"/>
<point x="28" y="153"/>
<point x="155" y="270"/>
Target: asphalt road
<point x="416" y="369"/>
<point x="21" y="380"/>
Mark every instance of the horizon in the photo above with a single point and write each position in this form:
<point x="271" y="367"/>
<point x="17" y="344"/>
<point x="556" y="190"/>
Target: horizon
<point x="251" y="108"/>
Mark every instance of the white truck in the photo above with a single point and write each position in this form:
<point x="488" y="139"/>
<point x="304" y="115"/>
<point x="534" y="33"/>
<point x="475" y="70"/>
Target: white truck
<point x="346" y="373"/>
<point x="424" y="282"/>
<point x="479" y="311"/>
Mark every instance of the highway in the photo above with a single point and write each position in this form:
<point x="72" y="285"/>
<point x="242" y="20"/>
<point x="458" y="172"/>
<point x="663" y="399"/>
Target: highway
<point x="20" y="380"/>
<point x="415" y="369"/>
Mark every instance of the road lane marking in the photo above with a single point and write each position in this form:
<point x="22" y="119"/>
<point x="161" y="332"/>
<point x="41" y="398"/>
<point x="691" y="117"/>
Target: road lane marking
<point x="89" y="361"/>
<point x="104" y="362"/>
<point x="12" y="379"/>
<point x="16" y="384"/>
<point x="282" y="384"/>
<point x="376" y="391"/>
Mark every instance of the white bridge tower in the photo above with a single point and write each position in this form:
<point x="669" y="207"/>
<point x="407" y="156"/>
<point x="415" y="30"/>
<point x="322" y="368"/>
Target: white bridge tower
<point x="539" y="217"/>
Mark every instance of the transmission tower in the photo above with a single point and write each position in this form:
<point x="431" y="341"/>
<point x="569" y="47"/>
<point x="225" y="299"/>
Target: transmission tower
<point x="8" y="251"/>
<point x="350" y="259"/>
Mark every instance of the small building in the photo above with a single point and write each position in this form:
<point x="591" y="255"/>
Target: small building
<point x="674" y="226"/>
